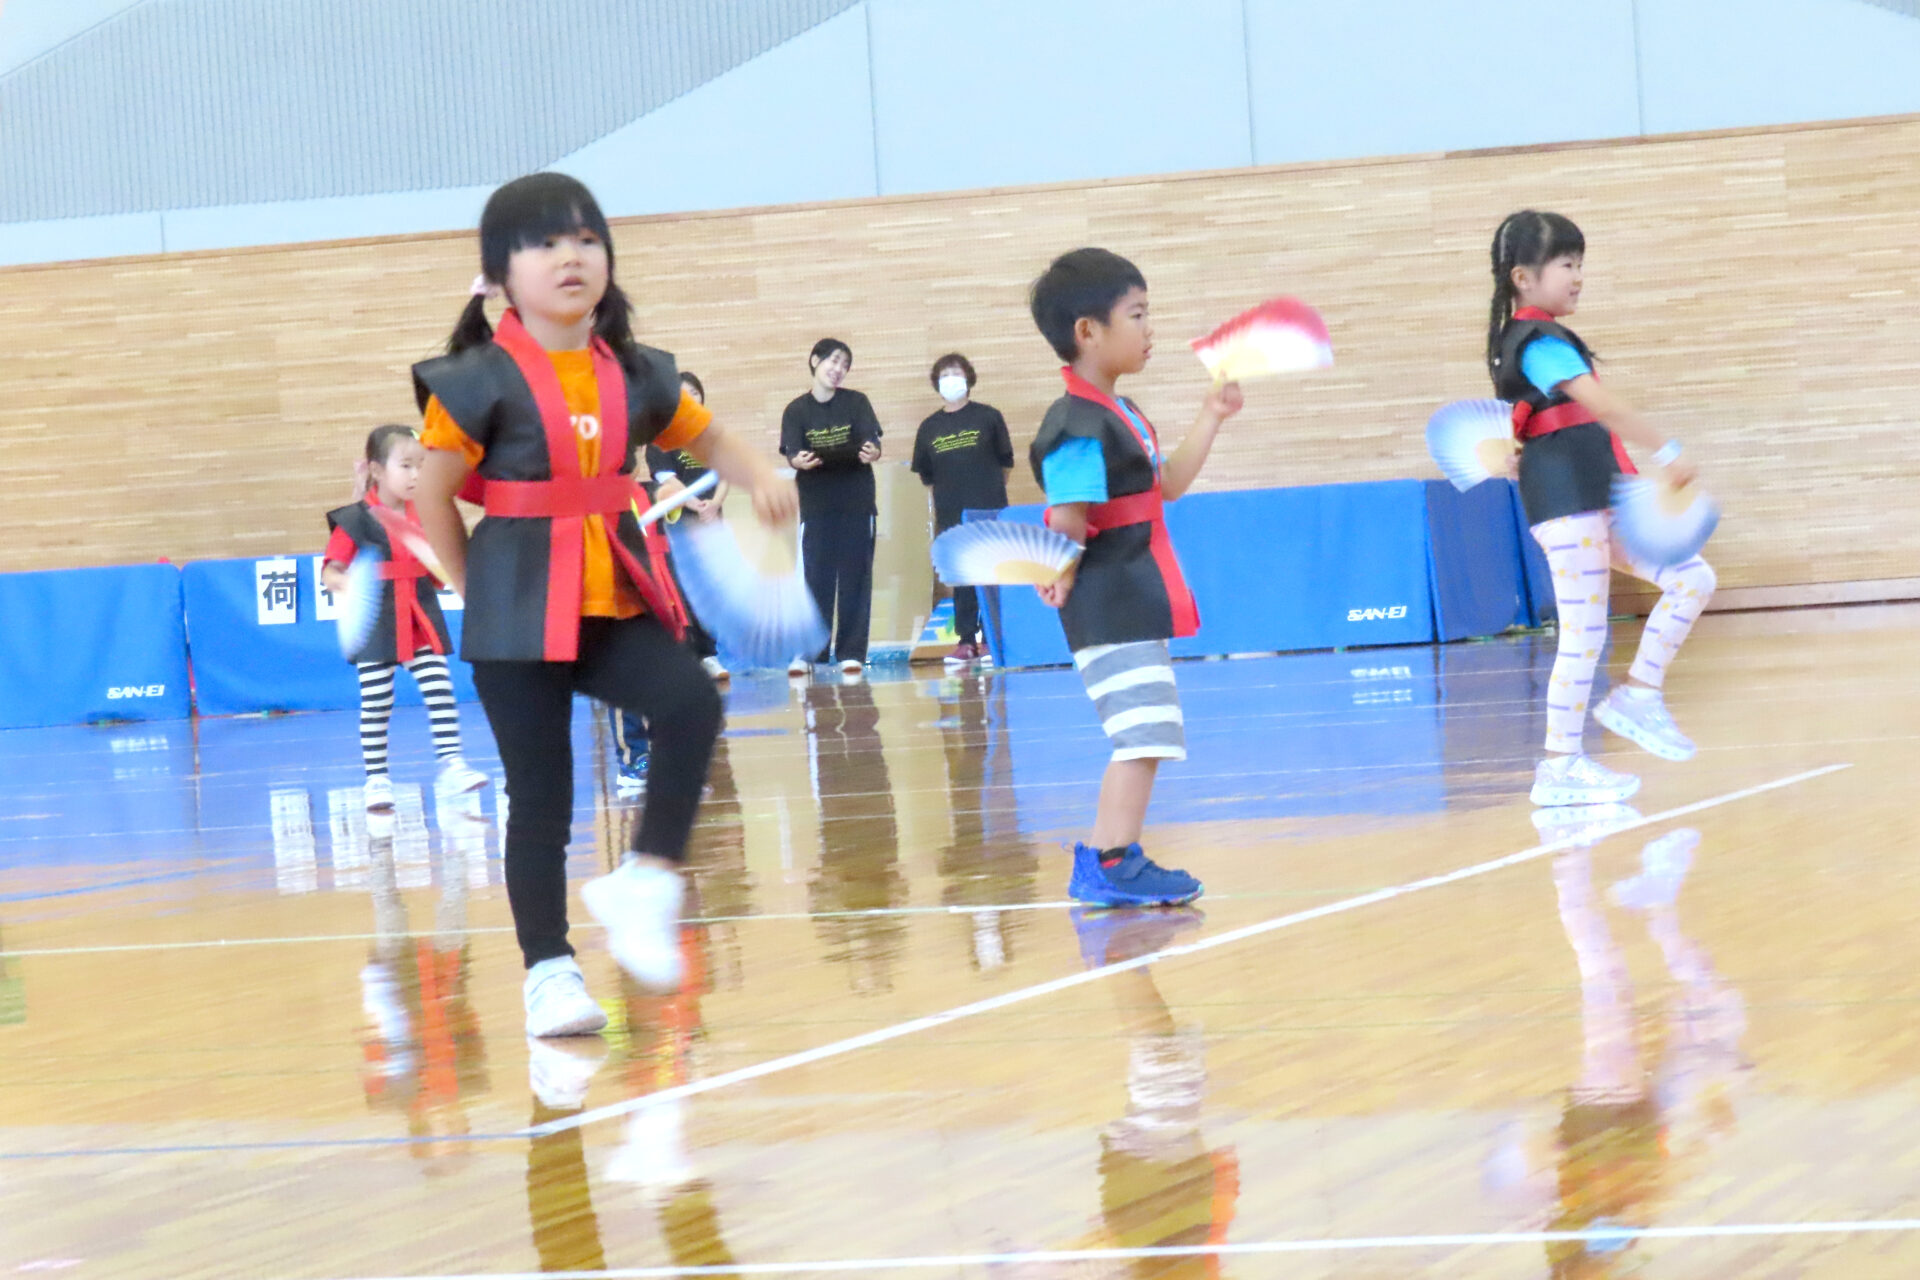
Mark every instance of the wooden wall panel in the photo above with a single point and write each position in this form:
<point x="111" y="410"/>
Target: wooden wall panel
<point x="1759" y="291"/>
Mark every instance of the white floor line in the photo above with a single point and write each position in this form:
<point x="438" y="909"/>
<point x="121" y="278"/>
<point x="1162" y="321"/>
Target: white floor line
<point x="867" y="1040"/>
<point x="1454" y="1240"/>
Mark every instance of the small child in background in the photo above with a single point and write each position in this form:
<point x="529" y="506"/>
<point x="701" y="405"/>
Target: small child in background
<point x="410" y="632"/>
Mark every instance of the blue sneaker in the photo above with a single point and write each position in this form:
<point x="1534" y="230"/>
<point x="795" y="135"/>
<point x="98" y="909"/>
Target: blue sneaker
<point x="1108" y="936"/>
<point x="633" y="777"/>
<point x="1135" y="881"/>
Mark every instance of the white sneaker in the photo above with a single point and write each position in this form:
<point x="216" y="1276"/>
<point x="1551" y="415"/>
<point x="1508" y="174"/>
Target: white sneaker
<point x="714" y="669"/>
<point x="640" y="906"/>
<point x="557" y="1000"/>
<point x="852" y="667"/>
<point x="1640" y="716"/>
<point x="379" y="793"/>
<point x="1563" y="780"/>
<point x="799" y="667"/>
<point x="1582" y="824"/>
<point x="457" y="776"/>
<point x="561" y="1070"/>
<point x="1664" y="864"/>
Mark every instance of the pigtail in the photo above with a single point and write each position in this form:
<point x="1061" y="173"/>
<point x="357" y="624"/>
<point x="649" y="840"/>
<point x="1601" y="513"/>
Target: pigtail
<point x="1500" y="314"/>
<point x="473" y="328"/>
<point x="613" y="324"/>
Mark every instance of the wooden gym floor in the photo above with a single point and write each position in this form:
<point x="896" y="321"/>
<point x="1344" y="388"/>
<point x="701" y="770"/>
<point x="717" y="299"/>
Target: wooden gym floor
<point x="243" y="1035"/>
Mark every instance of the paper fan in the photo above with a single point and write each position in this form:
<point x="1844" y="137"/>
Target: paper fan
<point x="765" y="619"/>
<point x="1002" y="553"/>
<point x="358" y="601"/>
<point x="409" y="535"/>
<point x="1471" y="440"/>
<point x="1659" y="522"/>
<point x="1282" y="336"/>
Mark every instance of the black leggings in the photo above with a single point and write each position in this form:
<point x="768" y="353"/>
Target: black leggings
<point x="635" y="665"/>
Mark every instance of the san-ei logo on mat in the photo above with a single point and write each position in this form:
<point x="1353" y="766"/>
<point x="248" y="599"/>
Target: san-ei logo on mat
<point x="137" y="691"/>
<point x="1377" y="615"/>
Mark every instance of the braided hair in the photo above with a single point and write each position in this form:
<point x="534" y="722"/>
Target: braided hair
<point x="1528" y="239"/>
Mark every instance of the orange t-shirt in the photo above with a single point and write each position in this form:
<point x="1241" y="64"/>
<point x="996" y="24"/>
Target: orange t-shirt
<point x="603" y="593"/>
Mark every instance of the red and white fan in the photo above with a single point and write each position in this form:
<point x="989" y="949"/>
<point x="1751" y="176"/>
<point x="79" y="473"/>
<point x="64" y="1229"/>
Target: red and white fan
<point x="1284" y="335"/>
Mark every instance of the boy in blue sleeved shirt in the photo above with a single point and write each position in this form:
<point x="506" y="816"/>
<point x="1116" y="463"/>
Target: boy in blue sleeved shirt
<point x="1100" y="462"/>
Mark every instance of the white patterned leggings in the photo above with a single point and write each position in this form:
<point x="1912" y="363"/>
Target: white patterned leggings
<point x="376" y="707"/>
<point x="1582" y="554"/>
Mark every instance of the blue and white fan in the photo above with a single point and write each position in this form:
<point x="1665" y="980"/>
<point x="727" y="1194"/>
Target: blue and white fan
<point x="357" y="602"/>
<point x="761" y="618"/>
<point x="1472" y="440"/>
<point x="1662" y="523"/>
<point x="1002" y="553"/>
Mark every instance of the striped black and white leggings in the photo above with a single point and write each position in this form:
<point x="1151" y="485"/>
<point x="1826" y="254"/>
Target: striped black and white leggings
<point x="376" y="706"/>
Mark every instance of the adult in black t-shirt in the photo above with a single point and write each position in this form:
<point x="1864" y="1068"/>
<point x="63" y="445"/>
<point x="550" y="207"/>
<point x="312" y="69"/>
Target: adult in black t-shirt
<point x="963" y="452"/>
<point x="832" y="438"/>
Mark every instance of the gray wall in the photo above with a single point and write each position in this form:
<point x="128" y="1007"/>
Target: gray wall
<point x="885" y="97"/>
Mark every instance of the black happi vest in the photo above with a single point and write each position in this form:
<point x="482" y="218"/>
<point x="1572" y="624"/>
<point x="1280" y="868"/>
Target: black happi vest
<point x="404" y="576"/>
<point x="1510" y="381"/>
<point x="518" y="607"/>
<point x="1129" y="586"/>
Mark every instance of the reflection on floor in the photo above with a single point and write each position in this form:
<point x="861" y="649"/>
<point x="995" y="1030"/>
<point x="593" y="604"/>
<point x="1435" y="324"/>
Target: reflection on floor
<point x="247" y="1028"/>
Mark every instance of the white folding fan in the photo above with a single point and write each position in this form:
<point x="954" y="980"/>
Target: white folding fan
<point x="358" y="601"/>
<point x="1002" y="553"/>
<point x="1472" y="440"/>
<point x="1662" y="523"/>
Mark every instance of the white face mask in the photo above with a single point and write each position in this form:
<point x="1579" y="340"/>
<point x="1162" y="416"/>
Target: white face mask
<point x="953" y="387"/>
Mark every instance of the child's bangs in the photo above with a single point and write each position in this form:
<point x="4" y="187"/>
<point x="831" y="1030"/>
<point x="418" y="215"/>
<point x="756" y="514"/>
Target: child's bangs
<point x="1563" y="238"/>
<point x="532" y="210"/>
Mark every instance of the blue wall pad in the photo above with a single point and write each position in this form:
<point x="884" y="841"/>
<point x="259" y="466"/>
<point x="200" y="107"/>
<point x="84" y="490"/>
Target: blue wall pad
<point x="1539" y="577"/>
<point x="241" y="666"/>
<point x="1474" y="556"/>
<point x="1317" y="567"/>
<point x="81" y="645"/>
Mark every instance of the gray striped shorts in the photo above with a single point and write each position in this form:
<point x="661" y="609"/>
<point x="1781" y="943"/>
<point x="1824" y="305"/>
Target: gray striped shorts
<point x="1133" y="691"/>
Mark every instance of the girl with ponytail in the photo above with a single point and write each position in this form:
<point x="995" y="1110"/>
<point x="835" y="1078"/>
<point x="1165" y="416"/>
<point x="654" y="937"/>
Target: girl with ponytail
<point x="563" y="596"/>
<point x="1571" y="431"/>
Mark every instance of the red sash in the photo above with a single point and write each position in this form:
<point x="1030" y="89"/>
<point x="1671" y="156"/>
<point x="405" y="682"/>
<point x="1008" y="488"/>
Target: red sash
<point x="1529" y="424"/>
<point x="411" y="628"/>
<point x="570" y="497"/>
<point x="1141" y="508"/>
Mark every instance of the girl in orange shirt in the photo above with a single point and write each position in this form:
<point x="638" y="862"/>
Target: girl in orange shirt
<point x="552" y="410"/>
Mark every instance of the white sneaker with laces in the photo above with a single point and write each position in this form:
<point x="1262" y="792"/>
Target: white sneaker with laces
<point x="379" y="792"/>
<point x="1640" y="716"/>
<point x="714" y="668"/>
<point x="1578" y="779"/>
<point x="639" y="903"/>
<point x="561" y="1070"/>
<point x="557" y="1000"/>
<point x="457" y="776"/>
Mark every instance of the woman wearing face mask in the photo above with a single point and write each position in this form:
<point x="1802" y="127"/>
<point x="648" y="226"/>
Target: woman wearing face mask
<point x="963" y="452"/>
<point x="832" y="438"/>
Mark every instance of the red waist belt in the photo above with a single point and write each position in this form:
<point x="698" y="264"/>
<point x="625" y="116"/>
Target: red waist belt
<point x="1149" y="508"/>
<point x="1118" y="513"/>
<point x="572" y="497"/>
<point x="411" y="629"/>
<point x="567" y="501"/>
<point x="1529" y="425"/>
